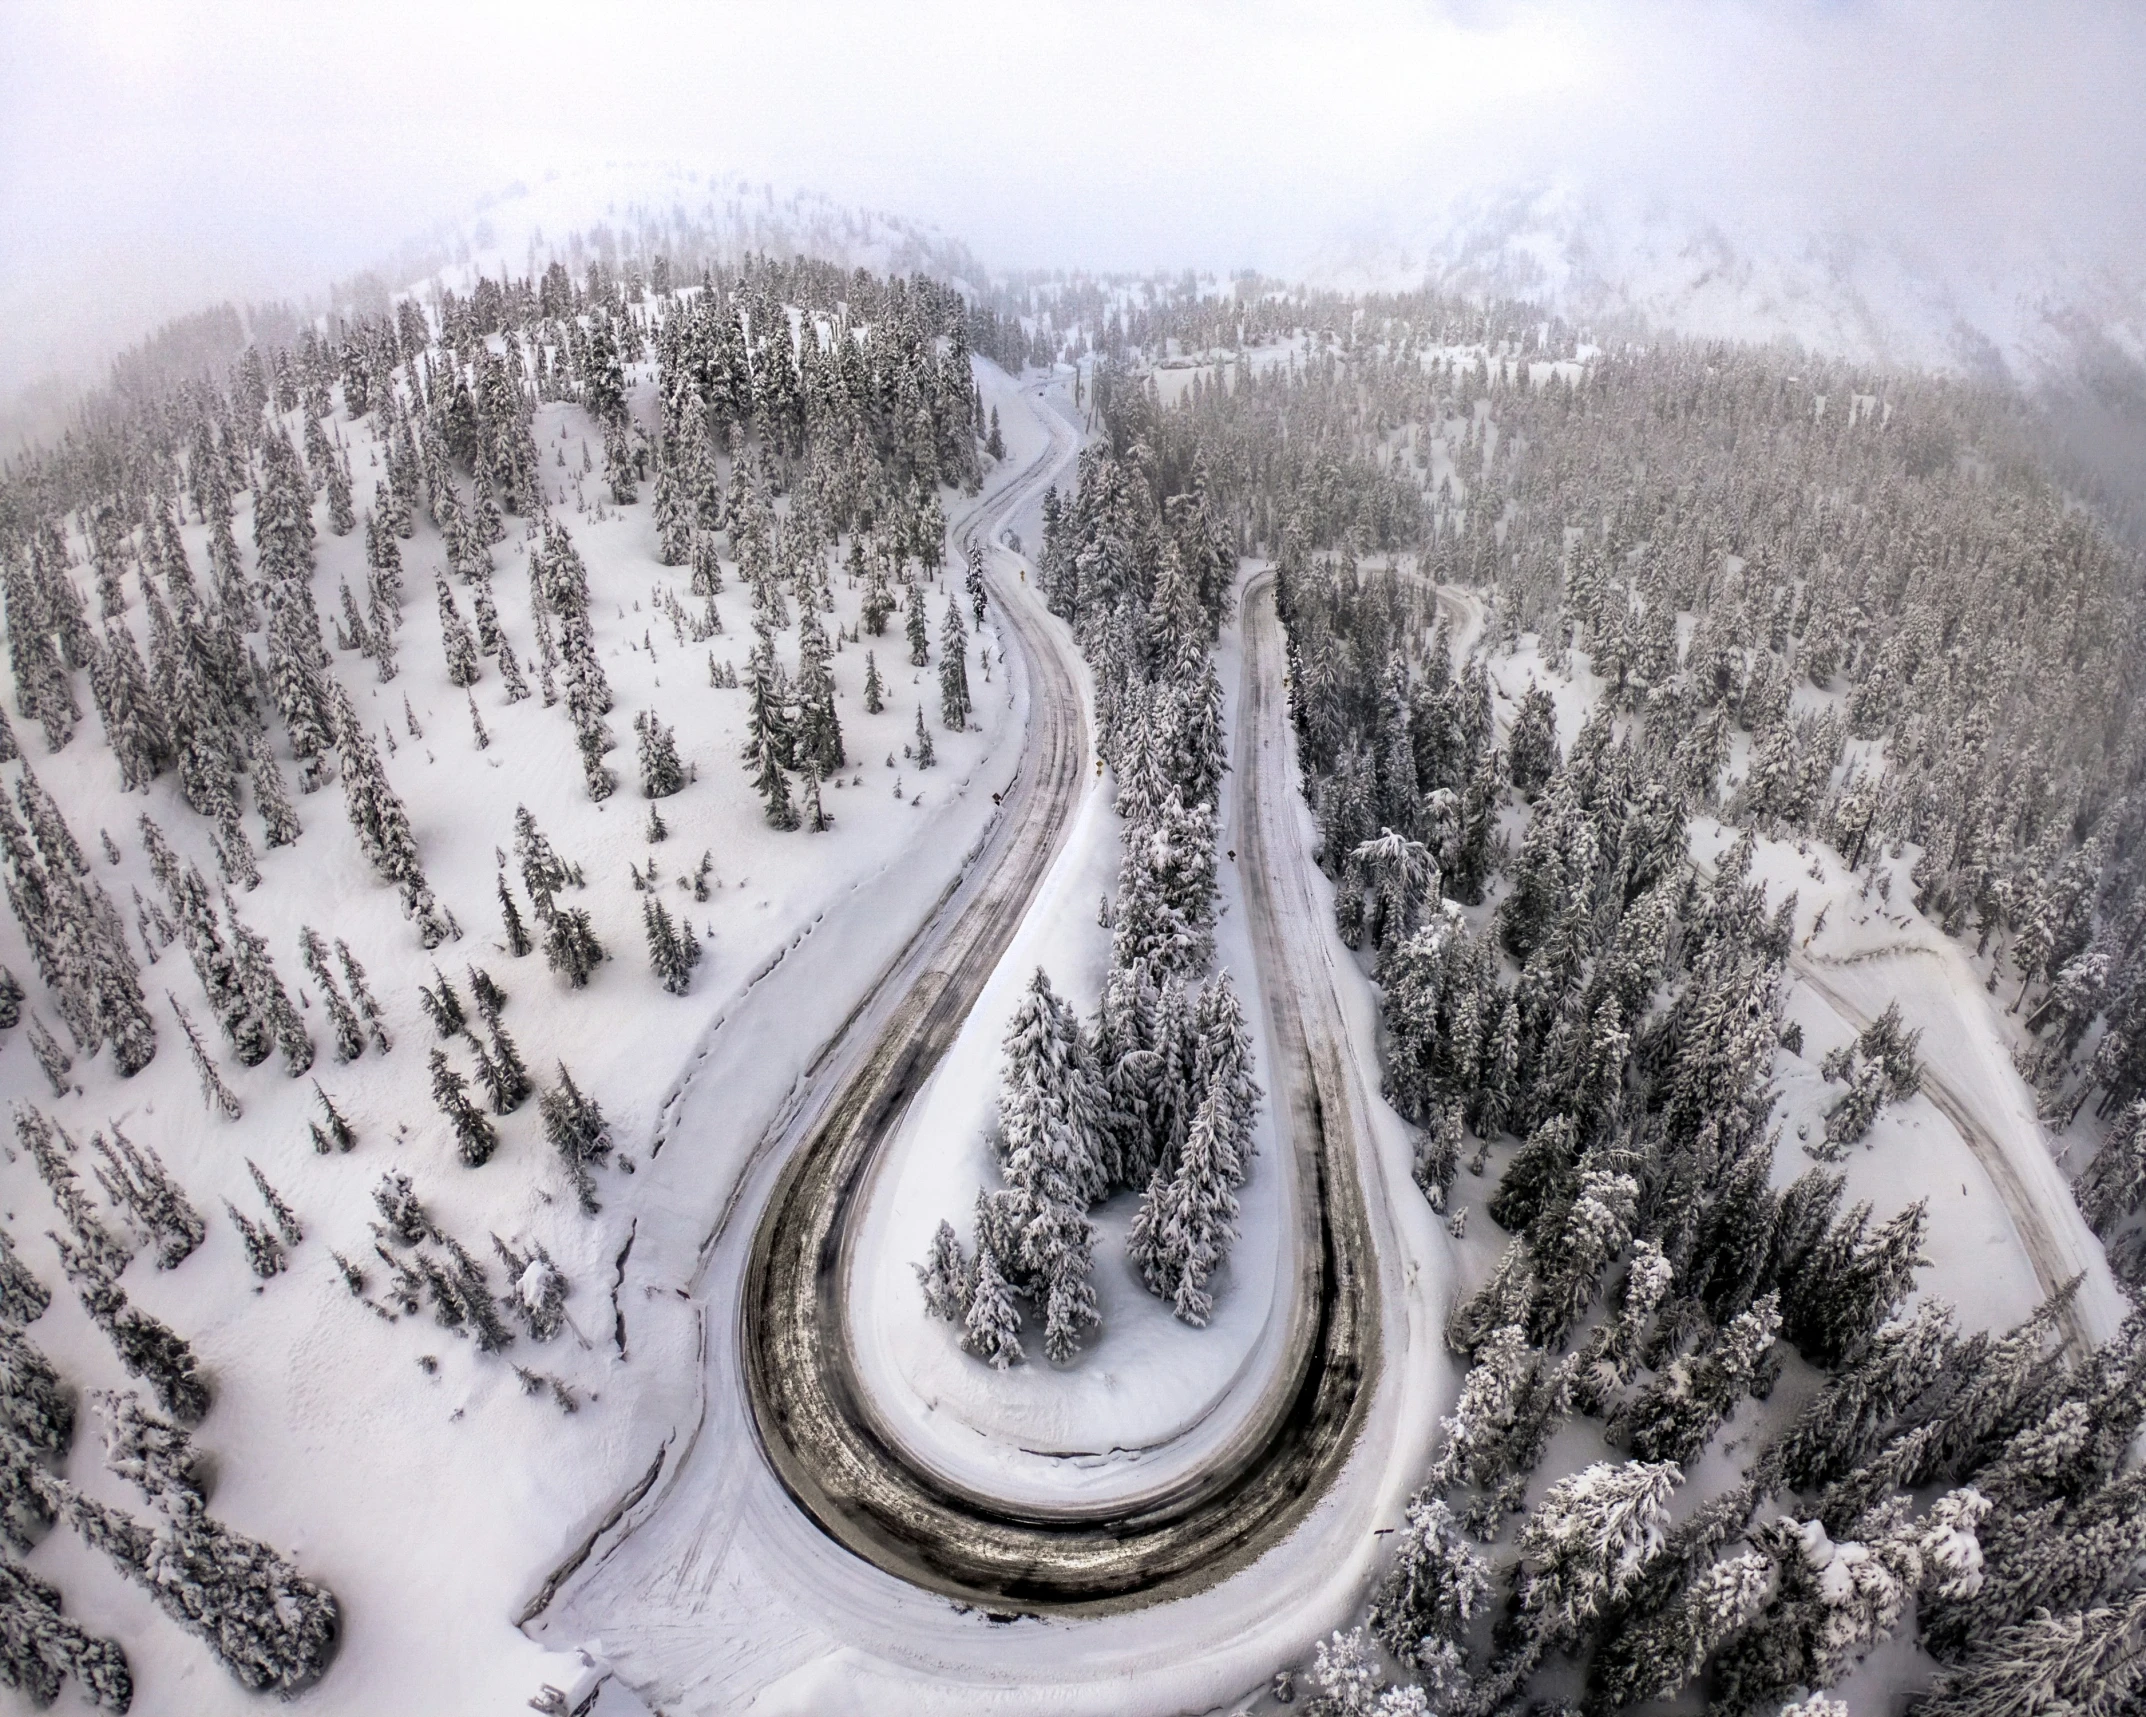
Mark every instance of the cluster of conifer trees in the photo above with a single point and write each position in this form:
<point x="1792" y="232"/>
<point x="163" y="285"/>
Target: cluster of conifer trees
<point x="1156" y="1095"/>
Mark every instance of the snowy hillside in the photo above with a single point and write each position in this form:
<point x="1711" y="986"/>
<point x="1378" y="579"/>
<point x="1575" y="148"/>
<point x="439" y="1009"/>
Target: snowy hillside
<point x="1622" y="263"/>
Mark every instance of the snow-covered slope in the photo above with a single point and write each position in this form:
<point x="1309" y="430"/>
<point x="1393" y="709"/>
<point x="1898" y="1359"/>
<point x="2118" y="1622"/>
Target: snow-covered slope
<point x="2031" y="311"/>
<point x="642" y="209"/>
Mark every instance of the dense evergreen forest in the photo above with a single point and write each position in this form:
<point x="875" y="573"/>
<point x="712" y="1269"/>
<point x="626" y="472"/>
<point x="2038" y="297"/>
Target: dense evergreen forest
<point x="1814" y="605"/>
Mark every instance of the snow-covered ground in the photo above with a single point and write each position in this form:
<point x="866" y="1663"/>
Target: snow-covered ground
<point x="414" y="1477"/>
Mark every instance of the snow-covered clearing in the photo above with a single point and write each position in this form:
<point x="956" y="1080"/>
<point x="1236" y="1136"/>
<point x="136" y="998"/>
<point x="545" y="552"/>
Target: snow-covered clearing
<point x="413" y="1476"/>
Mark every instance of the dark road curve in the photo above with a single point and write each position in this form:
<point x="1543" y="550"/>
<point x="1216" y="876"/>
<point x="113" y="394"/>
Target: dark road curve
<point x="813" y="1420"/>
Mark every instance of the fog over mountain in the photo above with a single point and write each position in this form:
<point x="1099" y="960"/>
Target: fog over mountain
<point x="1952" y="184"/>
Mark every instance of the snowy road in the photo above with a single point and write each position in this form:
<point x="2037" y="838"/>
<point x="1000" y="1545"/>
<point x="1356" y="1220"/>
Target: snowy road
<point x="820" y="1428"/>
<point x="722" y="1588"/>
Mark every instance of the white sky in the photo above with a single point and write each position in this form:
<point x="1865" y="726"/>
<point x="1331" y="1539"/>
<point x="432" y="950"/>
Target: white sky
<point x="155" y="157"/>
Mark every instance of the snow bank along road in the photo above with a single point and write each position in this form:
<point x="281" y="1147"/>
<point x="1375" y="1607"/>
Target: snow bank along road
<point x="818" y="1426"/>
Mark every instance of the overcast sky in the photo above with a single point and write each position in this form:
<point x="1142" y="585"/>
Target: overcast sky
<point x="155" y="157"/>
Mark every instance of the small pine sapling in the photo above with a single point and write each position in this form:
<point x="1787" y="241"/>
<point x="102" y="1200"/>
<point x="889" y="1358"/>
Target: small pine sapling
<point x="405" y="1217"/>
<point x="264" y="1251"/>
<point x="339" y="1128"/>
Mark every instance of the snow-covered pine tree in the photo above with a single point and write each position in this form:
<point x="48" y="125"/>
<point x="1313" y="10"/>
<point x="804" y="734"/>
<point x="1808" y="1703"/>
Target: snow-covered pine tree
<point x="1186" y="1222"/>
<point x="992" y="1324"/>
<point x="265" y="995"/>
<point x="135" y="1178"/>
<point x="40" y="1648"/>
<point x="23" y="1298"/>
<point x="661" y="772"/>
<point x="354" y="976"/>
<point x="944" y="1276"/>
<point x="215" y="1094"/>
<point x="349" y="1032"/>
<point x="577" y="1131"/>
<point x="570" y="945"/>
<point x="954" y="701"/>
<point x="463" y="667"/>
<point x="2089" y="1663"/>
<point x="270" y="1626"/>
<point x="918" y="627"/>
<point x="443" y="1006"/>
<point x="768" y="739"/>
<point x="1438" y="1586"/>
<point x="672" y="952"/>
<point x="475" y="1137"/>
<point x="285" y="1219"/>
<point x="146" y="1347"/>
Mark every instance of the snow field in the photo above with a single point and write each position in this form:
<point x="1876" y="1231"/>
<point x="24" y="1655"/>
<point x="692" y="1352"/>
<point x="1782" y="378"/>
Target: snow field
<point x="432" y="1503"/>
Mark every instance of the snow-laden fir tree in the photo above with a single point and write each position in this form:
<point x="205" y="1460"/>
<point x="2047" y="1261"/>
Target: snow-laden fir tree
<point x="23" y="1298"/>
<point x="672" y="952"/>
<point x="147" y="1348"/>
<point x="661" y="772"/>
<point x="443" y="1005"/>
<point x="475" y="1137"/>
<point x="342" y="1018"/>
<point x="40" y="1649"/>
<point x="918" y="627"/>
<point x="954" y="701"/>
<point x="137" y="1182"/>
<point x="1187" y="1219"/>
<point x="570" y="945"/>
<point x="150" y="1452"/>
<point x="767" y="733"/>
<point x="577" y="1131"/>
<point x="944" y="1276"/>
<point x="271" y="1627"/>
<point x="1438" y="1586"/>
<point x="991" y="1324"/>
<point x="354" y="976"/>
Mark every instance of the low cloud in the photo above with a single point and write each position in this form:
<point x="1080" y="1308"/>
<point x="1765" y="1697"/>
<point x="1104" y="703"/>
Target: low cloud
<point x="157" y="158"/>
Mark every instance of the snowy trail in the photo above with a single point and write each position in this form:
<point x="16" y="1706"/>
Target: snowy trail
<point x="720" y="1593"/>
<point x="2004" y="1136"/>
<point x="1969" y="1082"/>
